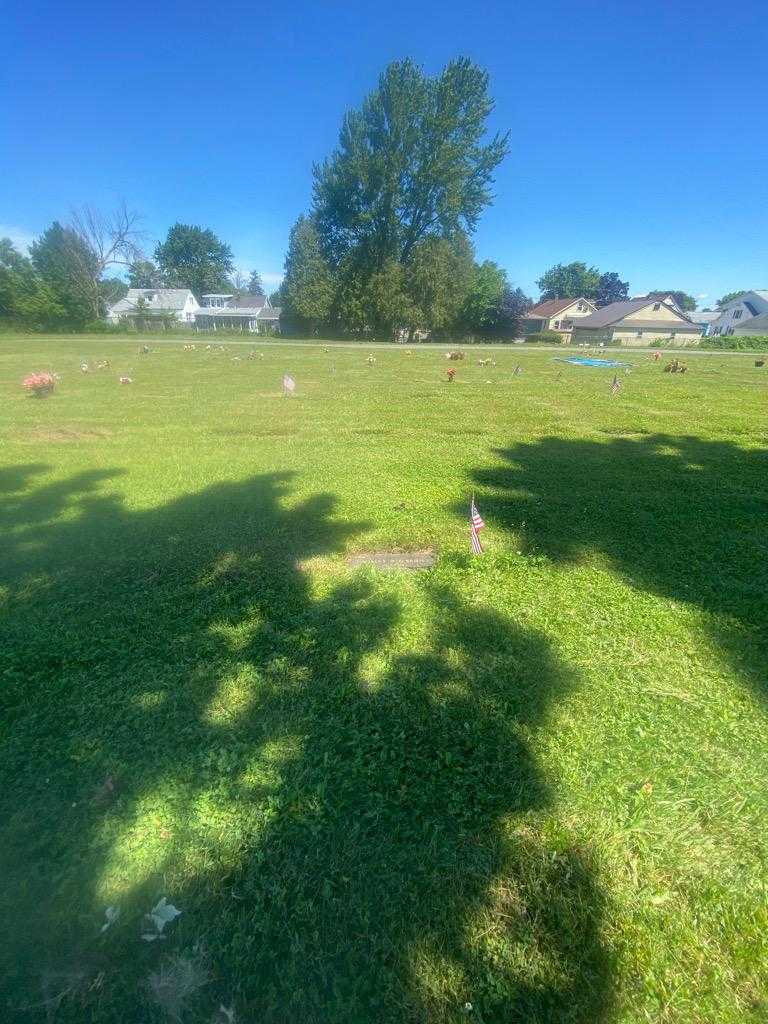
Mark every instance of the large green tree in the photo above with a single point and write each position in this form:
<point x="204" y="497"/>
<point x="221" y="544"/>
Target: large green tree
<point x="308" y="289"/>
<point x="144" y="273"/>
<point x="386" y="303"/>
<point x="24" y="296"/>
<point x="569" y="281"/>
<point x="610" y="288"/>
<point x="438" y="278"/>
<point x="410" y="163"/>
<point x="193" y="257"/>
<point x="112" y="289"/>
<point x="69" y="268"/>
<point x="506" y="321"/>
<point x="485" y="295"/>
<point x="493" y="309"/>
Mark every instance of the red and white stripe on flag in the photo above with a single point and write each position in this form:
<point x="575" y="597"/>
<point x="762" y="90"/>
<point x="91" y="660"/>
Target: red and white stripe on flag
<point x="474" y="515"/>
<point x="475" y="525"/>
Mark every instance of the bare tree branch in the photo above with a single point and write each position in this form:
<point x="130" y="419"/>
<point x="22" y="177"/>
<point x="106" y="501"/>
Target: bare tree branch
<point x="99" y="241"/>
<point x="113" y="238"/>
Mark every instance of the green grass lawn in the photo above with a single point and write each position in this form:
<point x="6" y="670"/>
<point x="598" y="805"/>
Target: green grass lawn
<point x="529" y="786"/>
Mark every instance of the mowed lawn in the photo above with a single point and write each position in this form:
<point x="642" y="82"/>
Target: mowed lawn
<point x="529" y="786"/>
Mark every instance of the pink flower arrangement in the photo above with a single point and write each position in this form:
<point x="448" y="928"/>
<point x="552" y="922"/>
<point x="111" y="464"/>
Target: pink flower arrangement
<point x="40" y="384"/>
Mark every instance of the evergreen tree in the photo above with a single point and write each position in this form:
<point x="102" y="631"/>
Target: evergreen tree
<point x="308" y="287"/>
<point x="69" y="269"/>
<point x="255" y="287"/>
<point x="24" y="297"/>
<point x="486" y="293"/>
<point x="438" y="279"/>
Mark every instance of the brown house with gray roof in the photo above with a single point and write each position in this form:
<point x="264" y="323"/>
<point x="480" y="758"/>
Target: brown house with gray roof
<point x="636" y="322"/>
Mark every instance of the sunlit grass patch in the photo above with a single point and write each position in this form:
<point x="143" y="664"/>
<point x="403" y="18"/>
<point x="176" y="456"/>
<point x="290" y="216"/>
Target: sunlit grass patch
<point x="528" y="785"/>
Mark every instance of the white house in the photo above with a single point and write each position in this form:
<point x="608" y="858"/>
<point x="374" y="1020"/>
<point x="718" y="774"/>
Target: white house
<point x="253" y="313"/>
<point x="178" y="303"/>
<point x="735" y="316"/>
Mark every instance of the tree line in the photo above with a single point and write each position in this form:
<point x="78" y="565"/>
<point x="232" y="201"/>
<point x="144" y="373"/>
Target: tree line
<point x="385" y="248"/>
<point x="577" y="280"/>
<point x="70" y="277"/>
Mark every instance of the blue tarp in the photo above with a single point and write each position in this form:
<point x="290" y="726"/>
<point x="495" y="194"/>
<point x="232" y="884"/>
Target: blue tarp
<point x="587" y="361"/>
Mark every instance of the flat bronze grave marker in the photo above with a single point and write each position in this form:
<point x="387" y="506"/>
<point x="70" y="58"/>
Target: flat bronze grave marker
<point x="411" y="560"/>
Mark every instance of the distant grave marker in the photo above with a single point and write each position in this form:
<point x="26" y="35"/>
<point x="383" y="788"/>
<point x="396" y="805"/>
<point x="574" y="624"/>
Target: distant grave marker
<point x="410" y="560"/>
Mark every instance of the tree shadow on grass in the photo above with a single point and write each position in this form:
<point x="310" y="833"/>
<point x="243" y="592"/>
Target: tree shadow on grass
<point x="184" y="715"/>
<point x="682" y="517"/>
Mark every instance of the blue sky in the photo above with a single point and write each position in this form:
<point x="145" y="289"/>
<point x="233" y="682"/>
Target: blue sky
<point x="638" y="131"/>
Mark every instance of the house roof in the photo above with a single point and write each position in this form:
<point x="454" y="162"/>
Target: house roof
<point x="552" y="307"/>
<point x="761" y="293"/>
<point x="248" y="301"/>
<point x="231" y="311"/>
<point x="670" y="326"/>
<point x="754" y="325"/>
<point x="617" y="311"/>
<point x="704" y="316"/>
<point x="252" y="312"/>
<point x="155" y="299"/>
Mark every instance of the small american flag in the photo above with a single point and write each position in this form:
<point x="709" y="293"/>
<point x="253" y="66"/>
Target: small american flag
<point x="616" y="386"/>
<point x="518" y="370"/>
<point x="475" y="525"/>
<point x="289" y="384"/>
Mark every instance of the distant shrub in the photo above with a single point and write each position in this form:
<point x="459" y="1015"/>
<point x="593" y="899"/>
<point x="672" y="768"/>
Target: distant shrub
<point x="544" y="338"/>
<point x="64" y="327"/>
<point x="730" y="343"/>
<point x="102" y="327"/>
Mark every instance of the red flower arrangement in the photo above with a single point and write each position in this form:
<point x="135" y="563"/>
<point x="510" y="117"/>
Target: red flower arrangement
<point x="40" y="384"/>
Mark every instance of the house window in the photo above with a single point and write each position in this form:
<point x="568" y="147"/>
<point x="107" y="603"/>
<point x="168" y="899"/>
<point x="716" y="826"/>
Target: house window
<point x="581" y="307"/>
<point x="656" y="306"/>
<point x="556" y="324"/>
<point x="737" y="314"/>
